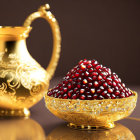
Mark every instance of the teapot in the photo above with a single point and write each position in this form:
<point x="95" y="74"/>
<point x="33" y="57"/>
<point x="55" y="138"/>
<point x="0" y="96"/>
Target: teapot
<point x="23" y="82"/>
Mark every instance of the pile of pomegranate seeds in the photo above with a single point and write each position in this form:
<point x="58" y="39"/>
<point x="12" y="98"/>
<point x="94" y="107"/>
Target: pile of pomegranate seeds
<point x="90" y="80"/>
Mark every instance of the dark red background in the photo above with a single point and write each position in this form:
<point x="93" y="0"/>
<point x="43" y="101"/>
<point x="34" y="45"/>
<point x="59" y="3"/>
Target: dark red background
<point x="108" y="31"/>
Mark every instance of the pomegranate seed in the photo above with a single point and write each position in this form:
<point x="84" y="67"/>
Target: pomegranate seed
<point x="110" y="90"/>
<point x="89" y="66"/>
<point x="90" y="85"/>
<point x="79" y="85"/>
<point x="74" y="96"/>
<point x="89" y="97"/>
<point x="92" y="90"/>
<point x="86" y="73"/>
<point x="83" y="67"/>
<point x="101" y="97"/>
<point x="82" y="97"/>
<point x="69" y="86"/>
<point x="94" y="77"/>
<point x="85" y="81"/>
<point x="82" y="90"/>
<point x="104" y="93"/>
<point x="99" y="77"/>
<point x="113" y="96"/>
<point x="91" y="70"/>
<point x="77" y="74"/>
<point x="65" y="96"/>
<point x="89" y="80"/>
<point x="95" y="96"/>
<point x="117" y="92"/>
<point x="65" y="89"/>
<point x="96" y="84"/>
<point x="70" y="93"/>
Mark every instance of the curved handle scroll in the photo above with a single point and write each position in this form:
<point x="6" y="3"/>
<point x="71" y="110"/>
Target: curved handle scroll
<point x="47" y="15"/>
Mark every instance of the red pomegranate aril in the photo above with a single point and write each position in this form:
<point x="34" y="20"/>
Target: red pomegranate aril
<point x="75" y="89"/>
<point x="92" y="90"/>
<point x="88" y="93"/>
<point x="96" y="84"/>
<point x="110" y="90"/>
<point x="65" y="89"/>
<point x="70" y="93"/>
<point x="69" y="86"/>
<point x="83" y="67"/>
<point x="101" y="97"/>
<point x="99" y="90"/>
<point x="65" y="96"/>
<point x="79" y="85"/>
<point x="82" y="97"/>
<point x="99" y="77"/>
<point x="107" y="96"/>
<point x="122" y="95"/>
<point x="89" y="80"/>
<point x="113" y="96"/>
<point x="105" y="85"/>
<point x="86" y="73"/>
<point x="98" y="67"/>
<point x="74" y="96"/>
<point x="77" y="74"/>
<point x="95" y="73"/>
<point x="89" y="66"/>
<point x="82" y="91"/>
<point x="49" y="93"/>
<point x="94" y="63"/>
<point x="117" y="92"/>
<point x="82" y="74"/>
<point x="114" y="84"/>
<point x="126" y="94"/>
<point x="91" y="70"/>
<point x="94" y="77"/>
<point x="104" y="93"/>
<point x="95" y="96"/>
<point x="89" y="97"/>
<point x="101" y="87"/>
<point x="79" y="79"/>
<point x="87" y="88"/>
<point x="90" y="85"/>
<point x="85" y="81"/>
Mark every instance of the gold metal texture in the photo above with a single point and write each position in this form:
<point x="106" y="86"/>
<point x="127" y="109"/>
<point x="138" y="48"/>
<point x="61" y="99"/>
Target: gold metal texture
<point x="23" y="82"/>
<point x="119" y="132"/>
<point x="91" y="114"/>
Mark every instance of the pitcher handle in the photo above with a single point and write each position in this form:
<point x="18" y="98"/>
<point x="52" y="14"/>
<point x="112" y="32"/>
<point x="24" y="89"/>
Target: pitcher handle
<point x="43" y="13"/>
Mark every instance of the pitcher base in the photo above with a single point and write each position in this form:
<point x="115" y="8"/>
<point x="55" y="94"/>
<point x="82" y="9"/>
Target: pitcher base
<point x="14" y="113"/>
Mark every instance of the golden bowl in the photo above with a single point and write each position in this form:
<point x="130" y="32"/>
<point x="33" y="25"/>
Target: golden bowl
<point x="119" y="132"/>
<point x="91" y="114"/>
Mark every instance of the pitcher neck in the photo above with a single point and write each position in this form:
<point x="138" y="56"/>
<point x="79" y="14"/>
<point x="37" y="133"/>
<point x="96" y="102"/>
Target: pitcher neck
<point x="13" y="47"/>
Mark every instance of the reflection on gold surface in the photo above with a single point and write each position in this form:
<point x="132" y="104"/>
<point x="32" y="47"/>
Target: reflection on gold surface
<point x="119" y="132"/>
<point x="91" y="114"/>
<point x="21" y="129"/>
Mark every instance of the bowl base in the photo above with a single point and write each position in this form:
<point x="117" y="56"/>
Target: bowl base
<point x="89" y="127"/>
<point x="14" y="112"/>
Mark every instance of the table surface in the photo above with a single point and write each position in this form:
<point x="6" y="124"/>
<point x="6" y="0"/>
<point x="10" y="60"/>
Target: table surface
<point x="42" y="125"/>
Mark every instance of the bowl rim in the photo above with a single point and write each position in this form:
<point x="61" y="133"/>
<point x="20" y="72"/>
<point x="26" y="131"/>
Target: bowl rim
<point x="103" y="100"/>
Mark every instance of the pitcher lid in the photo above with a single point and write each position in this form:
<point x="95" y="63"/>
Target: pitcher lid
<point x="14" y="33"/>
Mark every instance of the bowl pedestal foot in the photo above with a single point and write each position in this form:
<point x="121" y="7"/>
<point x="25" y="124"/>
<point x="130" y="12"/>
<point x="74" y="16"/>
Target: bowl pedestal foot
<point x="14" y="112"/>
<point x="93" y="127"/>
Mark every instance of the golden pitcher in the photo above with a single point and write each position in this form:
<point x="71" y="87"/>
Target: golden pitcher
<point x="23" y="81"/>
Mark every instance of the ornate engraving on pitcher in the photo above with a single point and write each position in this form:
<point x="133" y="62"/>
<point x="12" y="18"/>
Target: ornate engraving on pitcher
<point x="19" y="77"/>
